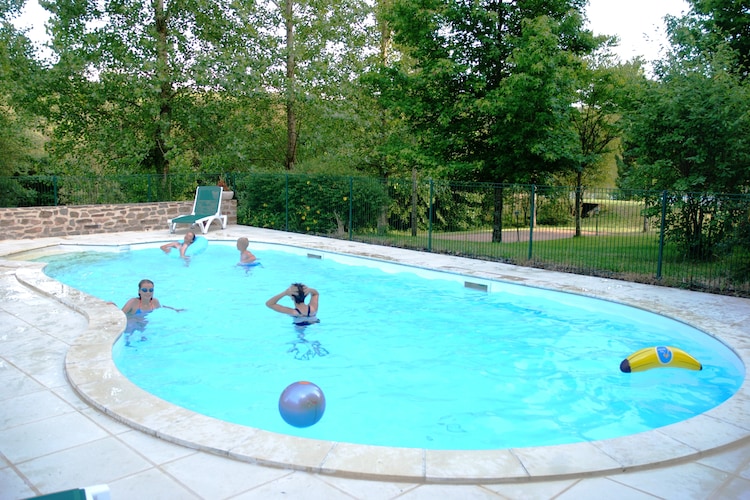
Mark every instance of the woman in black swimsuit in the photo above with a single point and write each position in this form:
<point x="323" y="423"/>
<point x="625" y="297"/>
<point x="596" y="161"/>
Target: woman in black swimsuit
<point x="302" y="314"/>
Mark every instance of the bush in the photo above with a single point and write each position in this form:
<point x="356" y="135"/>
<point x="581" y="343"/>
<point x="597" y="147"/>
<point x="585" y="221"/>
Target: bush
<point x="317" y="205"/>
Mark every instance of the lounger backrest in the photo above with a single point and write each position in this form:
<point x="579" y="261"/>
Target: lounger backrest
<point x="207" y="200"/>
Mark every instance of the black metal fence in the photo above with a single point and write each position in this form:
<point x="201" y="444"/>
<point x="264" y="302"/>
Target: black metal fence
<point x="689" y="240"/>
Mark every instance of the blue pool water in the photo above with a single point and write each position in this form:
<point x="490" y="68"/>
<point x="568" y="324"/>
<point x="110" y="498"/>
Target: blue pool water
<point x="405" y="357"/>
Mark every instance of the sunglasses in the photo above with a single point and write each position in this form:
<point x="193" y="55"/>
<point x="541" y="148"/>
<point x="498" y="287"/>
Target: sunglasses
<point x="147" y="290"/>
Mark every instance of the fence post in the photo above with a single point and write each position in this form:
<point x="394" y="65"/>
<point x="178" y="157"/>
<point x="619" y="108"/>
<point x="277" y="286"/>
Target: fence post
<point x="286" y="202"/>
<point x="148" y="188"/>
<point x="54" y="189"/>
<point x="429" y="221"/>
<point x="531" y="219"/>
<point x="413" y="219"/>
<point x="351" y="198"/>
<point x="661" y="233"/>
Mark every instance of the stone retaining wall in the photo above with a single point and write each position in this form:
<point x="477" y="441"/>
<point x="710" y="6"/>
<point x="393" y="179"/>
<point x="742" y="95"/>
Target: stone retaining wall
<point x="40" y="222"/>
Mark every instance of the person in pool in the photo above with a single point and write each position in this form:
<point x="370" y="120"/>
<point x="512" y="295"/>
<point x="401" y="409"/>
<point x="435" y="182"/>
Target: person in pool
<point x="302" y="314"/>
<point x="183" y="245"/>
<point x="145" y="302"/>
<point x="136" y="309"/>
<point x="246" y="256"/>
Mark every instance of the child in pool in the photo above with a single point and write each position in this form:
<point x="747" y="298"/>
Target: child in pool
<point x="182" y="246"/>
<point x="246" y="256"/>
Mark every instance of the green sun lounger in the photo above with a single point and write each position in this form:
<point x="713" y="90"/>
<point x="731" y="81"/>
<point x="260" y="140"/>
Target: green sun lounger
<point x="206" y="209"/>
<point x="97" y="492"/>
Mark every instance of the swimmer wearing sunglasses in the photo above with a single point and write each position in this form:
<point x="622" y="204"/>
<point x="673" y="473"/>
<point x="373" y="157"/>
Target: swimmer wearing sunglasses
<point x="145" y="302"/>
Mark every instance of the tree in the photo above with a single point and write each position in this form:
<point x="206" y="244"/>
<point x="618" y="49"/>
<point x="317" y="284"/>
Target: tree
<point x="476" y="73"/>
<point x="317" y="50"/>
<point x="17" y="69"/>
<point x="533" y="108"/>
<point x="687" y="132"/>
<point x="127" y="73"/>
<point x="711" y="24"/>
<point x="688" y="135"/>
<point x="688" y="128"/>
<point x="387" y="148"/>
<point x="487" y="87"/>
<point x="191" y="84"/>
<point x="597" y="119"/>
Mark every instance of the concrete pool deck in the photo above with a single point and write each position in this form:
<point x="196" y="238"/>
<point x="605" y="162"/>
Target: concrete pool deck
<point x="70" y="419"/>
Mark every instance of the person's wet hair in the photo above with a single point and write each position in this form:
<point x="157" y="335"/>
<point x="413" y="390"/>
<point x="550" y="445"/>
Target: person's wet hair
<point x="299" y="297"/>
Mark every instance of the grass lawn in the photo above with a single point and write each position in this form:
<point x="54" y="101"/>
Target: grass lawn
<point x="627" y="255"/>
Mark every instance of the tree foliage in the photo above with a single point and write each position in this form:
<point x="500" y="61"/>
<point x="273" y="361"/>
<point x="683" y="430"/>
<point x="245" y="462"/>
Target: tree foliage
<point x="688" y="131"/>
<point x="20" y="146"/>
<point x="597" y="120"/>
<point x="196" y="84"/>
<point x="486" y="87"/>
<point x="130" y="80"/>
<point x="712" y="26"/>
<point x="487" y="90"/>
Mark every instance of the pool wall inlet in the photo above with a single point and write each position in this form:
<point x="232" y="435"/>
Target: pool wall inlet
<point x="93" y="375"/>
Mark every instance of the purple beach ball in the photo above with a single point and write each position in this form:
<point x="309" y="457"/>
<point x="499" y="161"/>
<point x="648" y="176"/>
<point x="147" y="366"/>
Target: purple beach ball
<point x="302" y="404"/>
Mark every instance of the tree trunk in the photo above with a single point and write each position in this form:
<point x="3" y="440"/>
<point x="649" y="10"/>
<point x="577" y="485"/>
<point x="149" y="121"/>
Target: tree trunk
<point x="579" y="201"/>
<point x="291" y="118"/>
<point x="414" y="202"/>
<point x="159" y="151"/>
<point x="497" y="215"/>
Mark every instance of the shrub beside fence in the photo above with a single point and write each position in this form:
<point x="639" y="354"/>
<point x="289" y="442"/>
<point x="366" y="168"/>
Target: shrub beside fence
<point x="690" y="240"/>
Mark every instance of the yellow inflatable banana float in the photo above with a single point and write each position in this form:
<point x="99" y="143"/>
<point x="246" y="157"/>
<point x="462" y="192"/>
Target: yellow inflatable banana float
<point x="659" y="357"/>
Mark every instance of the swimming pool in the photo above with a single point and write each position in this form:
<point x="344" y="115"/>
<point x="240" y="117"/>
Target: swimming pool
<point x="355" y="341"/>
